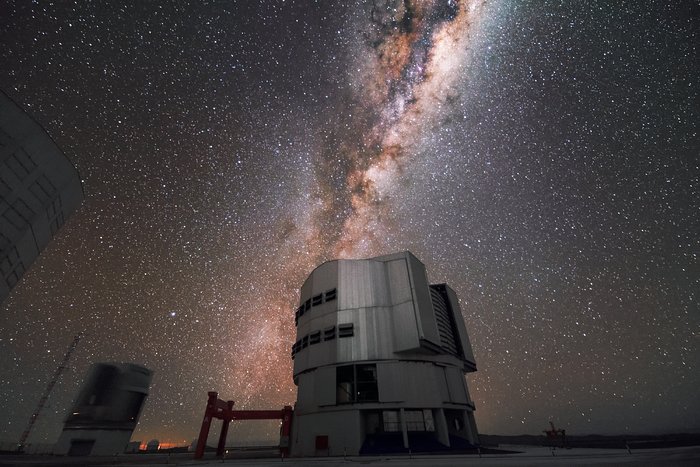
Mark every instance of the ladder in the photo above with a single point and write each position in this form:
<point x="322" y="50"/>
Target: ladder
<point x="44" y="397"/>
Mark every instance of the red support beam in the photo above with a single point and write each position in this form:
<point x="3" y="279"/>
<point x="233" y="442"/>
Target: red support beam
<point x="206" y="424"/>
<point x="223" y="410"/>
<point x="285" y="432"/>
<point x="256" y="414"/>
<point x="224" y="430"/>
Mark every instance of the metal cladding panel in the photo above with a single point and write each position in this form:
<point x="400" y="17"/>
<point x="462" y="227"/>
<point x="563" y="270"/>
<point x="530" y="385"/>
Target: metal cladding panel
<point x="412" y="383"/>
<point x="461" y="328"/>
<point x="301" y="361"/>
<point x="355" y="347"/>
<point x="457" y="385"/>
<point x="348" y="350"/>
<point x="325" y="386"/>
<point x="317" y="318"/>
<point x="428" y="325"/>
<point x="405" y="329"/>
<point x="323" y="278"/>
<point x="417" y="384"/>
<point x="343" y="430"/>
<point x="399" y="281"/>
<point x="391" y="382"/>
<point x="405" y="321"/>
<point x="443" y="386"/>
<point x="373" y="332"/>
<point x="320" y="354"/>
<point x="362" y="283"/>
<point x="306" y="289"/>
<point x="422" y="387"/>
<point x="306" y="393"/>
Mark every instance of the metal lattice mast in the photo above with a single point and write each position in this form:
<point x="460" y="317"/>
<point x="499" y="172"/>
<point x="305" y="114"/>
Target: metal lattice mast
<point x="44" y="397"/>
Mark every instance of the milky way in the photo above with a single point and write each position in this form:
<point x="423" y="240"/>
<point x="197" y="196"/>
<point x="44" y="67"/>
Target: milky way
<point x="419" y="51"/>
<point x="411" y="56"/>
<point x="538" y="156"/>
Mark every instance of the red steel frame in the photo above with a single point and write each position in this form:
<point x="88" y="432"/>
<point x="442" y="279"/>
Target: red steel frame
<point x="216" y="408"/>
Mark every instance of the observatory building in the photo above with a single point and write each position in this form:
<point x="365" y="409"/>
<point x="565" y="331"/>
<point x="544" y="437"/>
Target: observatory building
<point x="379" y="361"/>
<point x="106" y="411"/>
<point x="39" y="189"/>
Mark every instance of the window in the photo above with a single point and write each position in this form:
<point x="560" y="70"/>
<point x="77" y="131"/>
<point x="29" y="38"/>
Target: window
<point x="305" y="341"/>
<point x="329" y="333"/>
<point x="4" y="242"/>
<point x="317" y="300"/>
<point x="12" y="216"/>
<point x="366" y="377"/>
<point x="54" y="208"/>
<point x="356" y="383"/>
<point x="11" y="267"/>
<point x="345" y="384"/>
<point x="23" y="210"/>
<point x="21" y="164"/>
<point x="428" y="419"/>
<point x="8" y="262"/>
<point x="15" y="275"/>
<point x="56" y="223"/>
<point x="414" y="420"/>
<point x="307" y="305"/>
<point x="4" y="189"/>
<point x="314" y="337"/>
<point x="331" y="295"/>
<point x="390" y="418"/>
<point x="42" y="189"/>
<point x="5" y="139"/>
<point x="5" y="266"/>
<point x="346" y="330"/>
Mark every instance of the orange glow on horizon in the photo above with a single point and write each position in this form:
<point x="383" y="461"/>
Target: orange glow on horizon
<point x="165" y="445"/>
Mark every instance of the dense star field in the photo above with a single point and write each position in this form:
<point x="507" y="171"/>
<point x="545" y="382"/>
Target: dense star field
<point x="541" y="157"/>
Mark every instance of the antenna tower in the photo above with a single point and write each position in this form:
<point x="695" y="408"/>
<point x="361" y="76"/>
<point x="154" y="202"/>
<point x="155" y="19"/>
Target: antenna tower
<point x="44" y="397"/>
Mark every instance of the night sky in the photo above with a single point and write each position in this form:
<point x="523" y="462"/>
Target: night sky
<point x="540" y="156"/>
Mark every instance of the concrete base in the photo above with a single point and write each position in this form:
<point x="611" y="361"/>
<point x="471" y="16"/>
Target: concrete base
<point x="92" y="442"/>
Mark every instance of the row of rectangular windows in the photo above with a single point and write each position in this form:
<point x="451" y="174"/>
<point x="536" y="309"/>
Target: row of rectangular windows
<point x="41" y="188"/>
<point x="20" y="214"/>
<point x="316" y="300"/>
<point x="4" y="243"/>
<point x="11" y="267"/>
<point x="20" y="163"/>
<point x="328" y="334"/>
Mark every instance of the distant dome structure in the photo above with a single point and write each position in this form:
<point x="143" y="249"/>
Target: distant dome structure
<point x="106" y="411"/>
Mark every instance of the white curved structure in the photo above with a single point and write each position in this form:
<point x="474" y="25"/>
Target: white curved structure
<point x="379" y="361"/>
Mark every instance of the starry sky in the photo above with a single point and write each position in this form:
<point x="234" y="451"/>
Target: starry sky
<point x="540" y="156"/>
